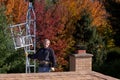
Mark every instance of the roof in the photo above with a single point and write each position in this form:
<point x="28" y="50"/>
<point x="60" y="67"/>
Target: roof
<point x="83" y="75"/>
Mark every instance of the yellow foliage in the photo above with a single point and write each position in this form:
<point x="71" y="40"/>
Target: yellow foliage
<point x="98" y="14"/>
<point x="75" y="9"/>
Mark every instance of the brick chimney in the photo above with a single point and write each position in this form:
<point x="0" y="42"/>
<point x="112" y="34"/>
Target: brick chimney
<point x="81" y="62"/>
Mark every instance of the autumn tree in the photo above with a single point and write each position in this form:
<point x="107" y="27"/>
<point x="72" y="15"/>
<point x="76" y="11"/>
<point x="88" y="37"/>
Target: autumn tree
<point x="49" y="26"/>
<point x="83" y="17"/>
<point x="15" y="9"/>
<point x="60" y="21"/>
<point x="75" y="8"/>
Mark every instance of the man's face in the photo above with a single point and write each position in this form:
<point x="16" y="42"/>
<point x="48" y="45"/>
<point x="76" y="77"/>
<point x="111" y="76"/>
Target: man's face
<point x="46" y="44"/>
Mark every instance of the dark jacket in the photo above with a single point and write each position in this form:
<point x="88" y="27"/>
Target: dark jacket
<point x="45" y="54"/>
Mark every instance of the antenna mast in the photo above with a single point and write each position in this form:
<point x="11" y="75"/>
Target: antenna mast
<point x="24" y="36"/>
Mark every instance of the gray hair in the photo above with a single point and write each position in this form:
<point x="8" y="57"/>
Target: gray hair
<point x="46" y="40"/>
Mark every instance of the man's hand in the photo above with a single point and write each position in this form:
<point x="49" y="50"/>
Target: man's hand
<point x="52" y="69"/>
<point x="26" y="53"/>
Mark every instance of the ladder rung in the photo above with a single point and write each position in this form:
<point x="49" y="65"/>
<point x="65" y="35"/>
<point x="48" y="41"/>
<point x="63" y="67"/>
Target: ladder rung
<point x="31" y="20"/>
<point x="31" y="51"/>
<point x="25" y="45"/>
<point x="17" y="25"/>
<point x="30" y="65"/>
<point x="33" y="36"/>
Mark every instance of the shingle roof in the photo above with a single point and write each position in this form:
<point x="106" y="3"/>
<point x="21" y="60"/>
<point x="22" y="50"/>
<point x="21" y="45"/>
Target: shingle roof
<point x="57" y="76"/>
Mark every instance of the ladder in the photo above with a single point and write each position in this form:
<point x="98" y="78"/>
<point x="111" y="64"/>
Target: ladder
<point x="24" y="36"/>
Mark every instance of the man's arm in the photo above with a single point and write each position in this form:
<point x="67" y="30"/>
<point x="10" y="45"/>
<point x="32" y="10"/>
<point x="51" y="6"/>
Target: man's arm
<point x="52" y="58"/>
<point x="33" y="56"/>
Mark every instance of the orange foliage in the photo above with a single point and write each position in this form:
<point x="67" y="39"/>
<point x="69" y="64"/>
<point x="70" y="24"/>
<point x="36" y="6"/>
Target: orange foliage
<point x="15" y="9"/>
<point x="98" y="14"/>
<point x="1" y="2"/>
<point x="75" y="9"/>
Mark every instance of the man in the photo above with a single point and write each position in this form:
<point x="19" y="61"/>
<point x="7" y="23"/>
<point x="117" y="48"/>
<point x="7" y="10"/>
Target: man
<point x="46" y="57"/>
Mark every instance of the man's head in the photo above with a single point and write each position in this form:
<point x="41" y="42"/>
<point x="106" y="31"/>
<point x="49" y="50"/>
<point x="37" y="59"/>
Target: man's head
<point x="46" y="43"/>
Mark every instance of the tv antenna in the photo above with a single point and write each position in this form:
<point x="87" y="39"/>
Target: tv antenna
<point x="24" y="36"/>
